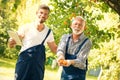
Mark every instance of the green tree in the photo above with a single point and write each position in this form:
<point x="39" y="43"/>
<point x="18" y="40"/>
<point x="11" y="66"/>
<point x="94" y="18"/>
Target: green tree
<point x="63" y="12"/>
<point x="101" y="30"/>
<point x="103" y="26"/>
<point x="7" y="21"/>
<point x="114" y="4"/>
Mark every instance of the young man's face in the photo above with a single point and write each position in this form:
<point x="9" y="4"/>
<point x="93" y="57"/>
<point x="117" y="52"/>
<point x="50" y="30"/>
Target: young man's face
<point x="77" y="27"/>
<point x="42" y="15"/>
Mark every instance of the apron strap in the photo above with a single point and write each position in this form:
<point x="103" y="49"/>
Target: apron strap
<point x="46" y="35"/>
<point x="80" y="46"/>
<point x="67" y="44"/>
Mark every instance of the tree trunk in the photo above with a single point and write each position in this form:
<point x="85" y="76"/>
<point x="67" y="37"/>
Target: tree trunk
<point x="114" y="4"/>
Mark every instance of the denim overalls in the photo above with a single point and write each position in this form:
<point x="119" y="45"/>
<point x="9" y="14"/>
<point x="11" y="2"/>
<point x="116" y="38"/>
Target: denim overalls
<point x="71" y="72"/>
<point x="31" y="63"/>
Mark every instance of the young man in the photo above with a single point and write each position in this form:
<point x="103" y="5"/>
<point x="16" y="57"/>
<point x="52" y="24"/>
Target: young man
<point x="31" y="61"/>
<point x="73" y="51"/>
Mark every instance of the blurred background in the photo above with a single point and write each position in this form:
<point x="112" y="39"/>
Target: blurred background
<point x="103" y="28"/>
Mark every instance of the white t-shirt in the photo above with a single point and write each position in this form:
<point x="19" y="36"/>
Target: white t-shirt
<point x="33" y="37"/>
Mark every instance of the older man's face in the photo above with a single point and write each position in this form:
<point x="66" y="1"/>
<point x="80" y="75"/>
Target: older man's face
<point x="77" y="26"/>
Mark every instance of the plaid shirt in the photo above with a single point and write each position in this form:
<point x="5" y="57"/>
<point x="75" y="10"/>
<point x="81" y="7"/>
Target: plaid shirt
<point x="80" y="61"/>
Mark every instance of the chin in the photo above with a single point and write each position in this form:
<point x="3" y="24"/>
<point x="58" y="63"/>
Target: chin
<point x="42" y="21"/>
<point x="77" y="33"/>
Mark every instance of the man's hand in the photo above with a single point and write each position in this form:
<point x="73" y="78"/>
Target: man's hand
<point x="59" y="58"/>
<point x="66" y="62"/>
<point x="11" y="43"/>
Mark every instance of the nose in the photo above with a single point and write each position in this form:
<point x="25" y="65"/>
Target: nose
<point x="42" y="15"/>
<point x="77" y="26"/>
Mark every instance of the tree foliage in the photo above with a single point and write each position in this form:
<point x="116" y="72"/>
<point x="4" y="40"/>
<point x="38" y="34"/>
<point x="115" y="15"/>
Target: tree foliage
<point x="102" y="29"/>
<point x="7" y="21"/>
<point x="64" y="11"/>
<point x="114" y="4"/>
<point x="102" y="24"/>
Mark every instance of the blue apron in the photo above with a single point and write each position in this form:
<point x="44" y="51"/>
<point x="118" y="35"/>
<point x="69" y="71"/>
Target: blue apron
<point x="31" y="63"/>
<point x="71" y="72"/>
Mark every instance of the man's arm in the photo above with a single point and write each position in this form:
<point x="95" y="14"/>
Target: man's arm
<point x="12" y="43"/>
<point x="61" y="50"/>
<point x="52" y="46"/>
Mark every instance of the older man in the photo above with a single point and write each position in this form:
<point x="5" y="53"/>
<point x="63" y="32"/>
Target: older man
<point x="73" y="51"/>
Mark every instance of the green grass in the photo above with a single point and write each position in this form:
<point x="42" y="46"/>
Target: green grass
<point x="7" y="63"/>
<point x="7" y="71"/>
<point x="91" y="77"/>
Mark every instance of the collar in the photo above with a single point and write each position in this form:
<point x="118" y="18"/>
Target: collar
<point x="82" y="36"/>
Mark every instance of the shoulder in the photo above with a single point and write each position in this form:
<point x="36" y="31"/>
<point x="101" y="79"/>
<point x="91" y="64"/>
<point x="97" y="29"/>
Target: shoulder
<point x="88" y="42"/>
<point x="46" y="28"/>
<point x="65" y="37"/>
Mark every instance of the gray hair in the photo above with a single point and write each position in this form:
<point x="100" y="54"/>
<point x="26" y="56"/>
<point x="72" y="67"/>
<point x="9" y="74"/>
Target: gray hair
<point x="80" y="18"/>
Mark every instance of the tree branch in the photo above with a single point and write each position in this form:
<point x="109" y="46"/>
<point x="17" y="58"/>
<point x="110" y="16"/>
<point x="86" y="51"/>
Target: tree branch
<point x="114" y="4"/>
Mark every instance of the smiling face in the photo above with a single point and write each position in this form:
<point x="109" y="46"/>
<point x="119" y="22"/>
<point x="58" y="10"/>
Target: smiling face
<point x="42" y="15"/>
<point x="78" y="25"/>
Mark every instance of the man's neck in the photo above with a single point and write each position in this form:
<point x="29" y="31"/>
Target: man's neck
<point x="75" y="37"/>
<point x="40" y="27"/>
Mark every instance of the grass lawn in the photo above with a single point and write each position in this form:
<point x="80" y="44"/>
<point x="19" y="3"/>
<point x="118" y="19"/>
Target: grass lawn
<point x="7" y="71"/>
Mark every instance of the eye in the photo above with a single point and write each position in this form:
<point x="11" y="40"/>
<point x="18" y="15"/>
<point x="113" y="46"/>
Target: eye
<point x="80" y="24"/>
<point x="41" y="12"/>
<point x="75" y="23"/>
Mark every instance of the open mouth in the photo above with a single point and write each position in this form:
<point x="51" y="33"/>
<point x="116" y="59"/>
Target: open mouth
<point x="77" y="30"/>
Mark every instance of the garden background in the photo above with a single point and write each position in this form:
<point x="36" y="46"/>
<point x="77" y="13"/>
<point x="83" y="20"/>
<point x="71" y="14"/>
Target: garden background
<point x="102" y="27"/>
